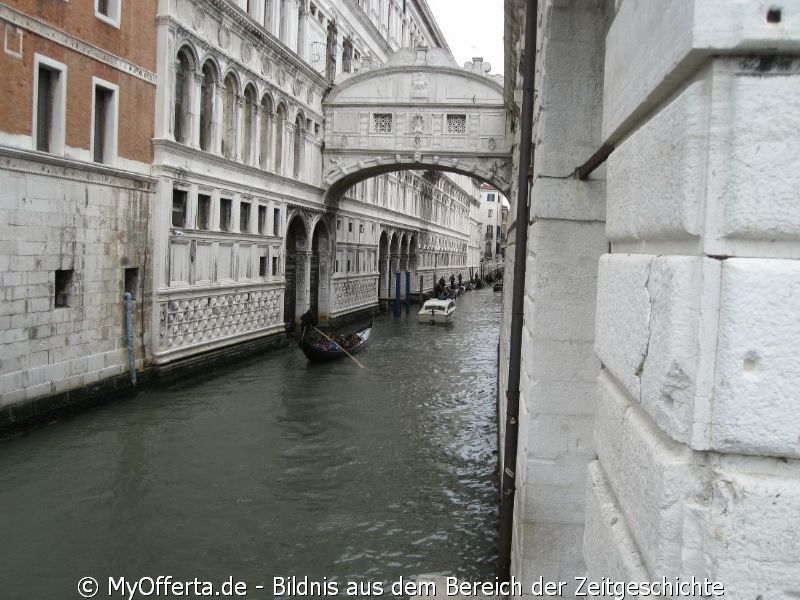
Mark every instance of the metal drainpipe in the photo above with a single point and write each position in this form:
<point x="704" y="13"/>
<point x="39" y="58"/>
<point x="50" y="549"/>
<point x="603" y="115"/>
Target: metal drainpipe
<point x="518" y="295"/>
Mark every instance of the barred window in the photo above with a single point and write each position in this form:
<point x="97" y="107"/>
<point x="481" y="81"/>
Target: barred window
<point x="382" y="122"/>
<point x="456" y="123"/>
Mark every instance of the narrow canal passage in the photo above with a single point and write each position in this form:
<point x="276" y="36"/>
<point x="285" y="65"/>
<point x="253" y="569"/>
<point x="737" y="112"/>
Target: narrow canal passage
<point x="274" y="468"/>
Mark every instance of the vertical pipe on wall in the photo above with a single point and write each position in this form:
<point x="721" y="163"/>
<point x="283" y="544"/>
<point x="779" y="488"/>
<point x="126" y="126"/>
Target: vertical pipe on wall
<point x="129" y="335"/>
<point x="508" y="488"/>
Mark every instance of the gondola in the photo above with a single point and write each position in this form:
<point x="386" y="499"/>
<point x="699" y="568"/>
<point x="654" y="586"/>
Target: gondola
<point x="318" y="349"/>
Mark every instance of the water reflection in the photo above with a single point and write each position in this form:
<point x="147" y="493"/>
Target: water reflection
<point x="273" y="468"/>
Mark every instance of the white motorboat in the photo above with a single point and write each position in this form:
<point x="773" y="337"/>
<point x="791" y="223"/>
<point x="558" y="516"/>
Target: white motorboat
<point x="437" y="311"/>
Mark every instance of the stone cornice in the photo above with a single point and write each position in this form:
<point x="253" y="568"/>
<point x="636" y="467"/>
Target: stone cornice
<point x="201" y="156"/>
<point x="48" y="32"/>
<point x="42" y="163"/>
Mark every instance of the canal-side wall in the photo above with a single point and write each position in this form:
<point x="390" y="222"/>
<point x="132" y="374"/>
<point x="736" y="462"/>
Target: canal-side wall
<point x="565" y="241"/>
<point x="686" y="445"/>
<point x="71" y="233"/>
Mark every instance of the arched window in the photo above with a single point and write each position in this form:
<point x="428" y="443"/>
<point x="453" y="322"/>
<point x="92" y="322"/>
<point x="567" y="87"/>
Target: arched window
<point x="249" y="123"/>
<point x="229" y="117"/>
<point x="280" y="126"/>
<point x="183" y="79"/>
<point x="207" y="105"/>
<point x="266" y="131"/>
<point x="298" y="145"/>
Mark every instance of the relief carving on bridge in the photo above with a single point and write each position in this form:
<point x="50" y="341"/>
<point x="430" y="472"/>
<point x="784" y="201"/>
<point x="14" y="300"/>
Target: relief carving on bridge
<point x="418" y="111"/>
<point x="186" y="321"/>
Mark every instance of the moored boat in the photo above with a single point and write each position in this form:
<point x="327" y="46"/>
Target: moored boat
<point x="437" y="311"/>
<point x="319" y="348"/>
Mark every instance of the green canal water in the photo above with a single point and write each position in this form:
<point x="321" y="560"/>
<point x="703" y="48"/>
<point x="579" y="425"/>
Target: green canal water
<point x="275" y="467"/>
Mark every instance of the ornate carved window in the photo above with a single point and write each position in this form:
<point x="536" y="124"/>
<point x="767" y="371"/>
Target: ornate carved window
<point x="456" y="123"/>
<point x="382" y="122"/>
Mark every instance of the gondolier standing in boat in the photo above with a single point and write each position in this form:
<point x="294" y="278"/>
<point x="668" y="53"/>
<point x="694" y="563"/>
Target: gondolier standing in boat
<point x="307" y="320"/>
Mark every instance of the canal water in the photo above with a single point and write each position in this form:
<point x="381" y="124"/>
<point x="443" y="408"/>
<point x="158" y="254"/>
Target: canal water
<point x="275" y="467"/>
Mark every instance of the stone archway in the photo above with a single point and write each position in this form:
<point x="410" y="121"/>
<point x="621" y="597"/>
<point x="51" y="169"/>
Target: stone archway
<point x="296" y="270"/>
<point x="419" y="111"/>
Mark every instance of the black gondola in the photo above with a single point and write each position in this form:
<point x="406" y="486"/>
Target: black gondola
<point x="319" y="349"/>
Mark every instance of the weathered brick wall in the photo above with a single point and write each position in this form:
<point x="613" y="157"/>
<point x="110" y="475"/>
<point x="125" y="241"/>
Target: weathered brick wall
<point x="133" y="43"/>
<point x="697" y="308"/>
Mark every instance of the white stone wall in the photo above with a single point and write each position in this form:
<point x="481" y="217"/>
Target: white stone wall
<point x="59" y="214"/>
<point x="693" y="462"/>
<point x="697" y="439"/>
<point x="565" y="240"/>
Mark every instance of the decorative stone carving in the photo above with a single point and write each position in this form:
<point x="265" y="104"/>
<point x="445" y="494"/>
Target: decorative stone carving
<point x="492" y="143"/>
<point x="198" y="19"/>
<point x="419" y="85"/>
<point x="266" y="65"/>
<point x="185" y="321"/>
<point x="281" y="76"/>
<point x="310" y="97"/>
<point x="297" y="86"/>
<point x="355" y="293"/>
<point x="247" y="51"/>
<point x="418" y="122"/>
<point x="223" y="37"/>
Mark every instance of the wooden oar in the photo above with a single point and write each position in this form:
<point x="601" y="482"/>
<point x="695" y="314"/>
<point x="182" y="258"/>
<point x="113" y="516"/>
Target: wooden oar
<point x="340" y="346"/>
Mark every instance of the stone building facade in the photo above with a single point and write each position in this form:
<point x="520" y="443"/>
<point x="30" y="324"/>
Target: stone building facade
<point x="243" y="238"/>
<point x="75" y="194"/>
<point x="179" y="157"/>
<point x="657" y="436"/>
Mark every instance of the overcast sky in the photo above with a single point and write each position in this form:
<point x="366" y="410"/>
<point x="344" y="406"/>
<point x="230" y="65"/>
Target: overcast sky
<point x="472" y="28"/>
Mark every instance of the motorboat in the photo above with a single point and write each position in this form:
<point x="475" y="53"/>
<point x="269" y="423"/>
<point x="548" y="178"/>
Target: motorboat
<point x="437" y="311"/>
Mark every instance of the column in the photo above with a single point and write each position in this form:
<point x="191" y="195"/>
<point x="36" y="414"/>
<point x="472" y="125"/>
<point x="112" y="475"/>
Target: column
<point x="302" y="31"/>
<point x="304" y="280"/>
<point x="386" y="269"/>
<point x="271" y="142"/>
<point x="255" y="156"/>
<point x="394" y="262"/>
<point x="238" y="129"/>
<point x="217" y="126"/>
<point x="194" y="112"/>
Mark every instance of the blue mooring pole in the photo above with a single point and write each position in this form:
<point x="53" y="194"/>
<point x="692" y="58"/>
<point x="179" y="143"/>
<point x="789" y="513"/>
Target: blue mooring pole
<point x="129" y="335"/>
<point x="397" y="294"/>
<point x="408" y="291"/>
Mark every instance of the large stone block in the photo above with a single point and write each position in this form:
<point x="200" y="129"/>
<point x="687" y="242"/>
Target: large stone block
<point x="753" y="503"/>
<point x="656" y="334"/>
<point x="752" y="194"/>
<point x="758" y="372"/>
<point x="608" y="546"/>
<point x="656" y="178"/>
<point x="568" y="199"/>
<point x="651" y="476"/>
<point x="652" y="46"/>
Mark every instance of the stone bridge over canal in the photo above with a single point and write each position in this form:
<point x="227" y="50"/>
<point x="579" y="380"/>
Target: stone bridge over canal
<point x="419" y="111"/>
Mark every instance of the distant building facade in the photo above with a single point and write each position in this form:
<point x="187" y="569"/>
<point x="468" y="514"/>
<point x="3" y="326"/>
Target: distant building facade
<point x="493" y="217"/>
